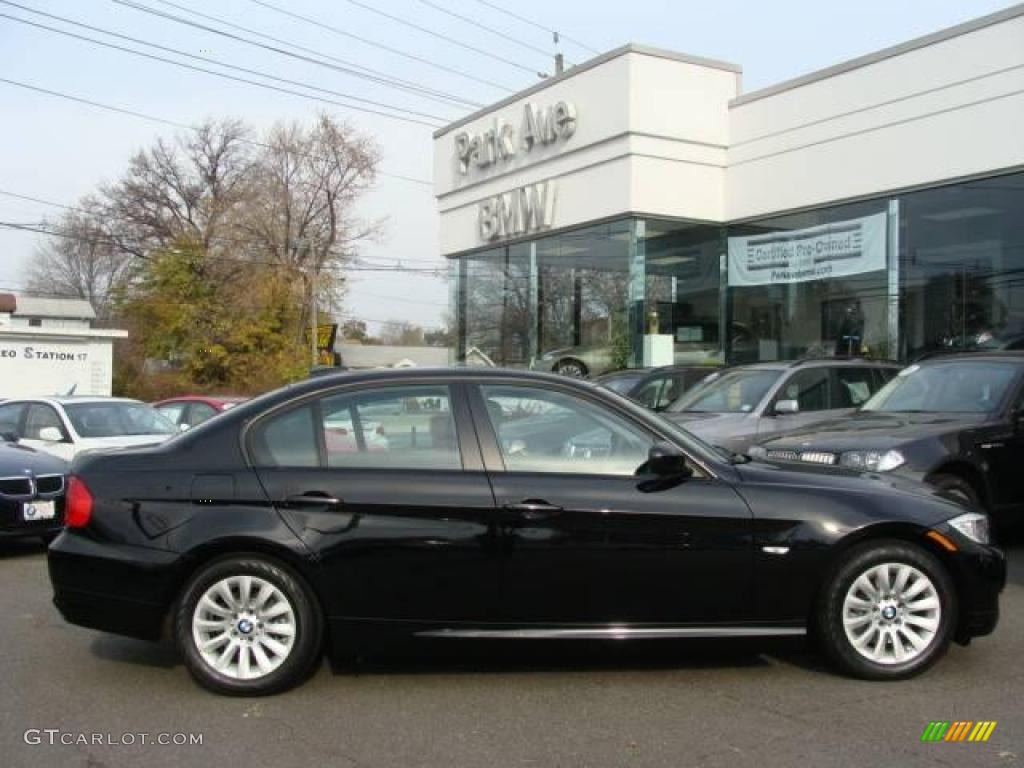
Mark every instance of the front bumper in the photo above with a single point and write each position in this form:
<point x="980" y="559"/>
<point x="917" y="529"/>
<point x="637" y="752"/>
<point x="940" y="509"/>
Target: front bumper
<point x="114" y="588"/>
<point x="980" y="574"/>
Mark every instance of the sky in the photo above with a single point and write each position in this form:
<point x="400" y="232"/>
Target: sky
<point x="59" y="150"/>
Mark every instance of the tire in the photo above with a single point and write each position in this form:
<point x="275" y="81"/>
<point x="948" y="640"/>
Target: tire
<point x="897" y="620"/>
<point x="572" y="367"/>
<point x="957" y="489"/>
<point x="280" y="642"/>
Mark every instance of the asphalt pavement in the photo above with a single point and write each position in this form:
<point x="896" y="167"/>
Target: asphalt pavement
<point x="734" y="704"/>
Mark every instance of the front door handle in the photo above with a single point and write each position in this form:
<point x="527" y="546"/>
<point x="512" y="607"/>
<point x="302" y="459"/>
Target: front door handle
<point x="313" y="499"/>
<point x="533" y="509"/>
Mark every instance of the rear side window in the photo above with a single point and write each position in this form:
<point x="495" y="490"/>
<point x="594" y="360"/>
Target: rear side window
<point x="391" y="428"/>
<point x="287" y="440"/>
<point x="385" y="428"/>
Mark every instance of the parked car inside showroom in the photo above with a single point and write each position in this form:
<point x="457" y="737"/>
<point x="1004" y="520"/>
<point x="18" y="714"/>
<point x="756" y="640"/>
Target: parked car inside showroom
<point x="744" y="404"/>
<point x="65" y="426"/>
<point x="188" y="411"/>
<point x="956" y="422"/>
<point x="525" y="506"/>
<point x="31" y="492"/>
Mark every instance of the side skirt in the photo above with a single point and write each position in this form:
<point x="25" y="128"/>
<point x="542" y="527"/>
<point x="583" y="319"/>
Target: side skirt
<point x="612" y="633"/>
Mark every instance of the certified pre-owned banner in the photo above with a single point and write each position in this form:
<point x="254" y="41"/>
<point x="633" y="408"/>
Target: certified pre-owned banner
<point x="833" y="250"/>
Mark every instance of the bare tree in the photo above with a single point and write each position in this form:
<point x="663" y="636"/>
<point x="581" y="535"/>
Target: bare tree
<point x="83" y="263"/>
<point x="302" y="213"/>
<point x="189" y="187"/>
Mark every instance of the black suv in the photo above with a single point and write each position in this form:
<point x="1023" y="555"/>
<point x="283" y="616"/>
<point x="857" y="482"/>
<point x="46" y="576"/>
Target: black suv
<point x="955" y="421"/>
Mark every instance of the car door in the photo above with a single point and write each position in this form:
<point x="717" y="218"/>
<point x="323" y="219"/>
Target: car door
<point x="42" y="421"/>
<point x="585" y="539"/>
<point x="386" y="485"/>
<point x="811" y="389"/>
<point x="1001" y="442"/>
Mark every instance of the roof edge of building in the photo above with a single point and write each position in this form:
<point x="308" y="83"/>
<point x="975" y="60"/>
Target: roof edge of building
<point x="622" y="50"/>
<point x="966" y="27"/>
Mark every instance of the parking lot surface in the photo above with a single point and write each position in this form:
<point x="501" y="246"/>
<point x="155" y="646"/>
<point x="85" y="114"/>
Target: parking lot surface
<point x="674" y="704"/>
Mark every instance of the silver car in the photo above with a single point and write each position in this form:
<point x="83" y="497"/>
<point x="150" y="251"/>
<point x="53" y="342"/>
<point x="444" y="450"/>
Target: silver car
<point x="740" y="406"/>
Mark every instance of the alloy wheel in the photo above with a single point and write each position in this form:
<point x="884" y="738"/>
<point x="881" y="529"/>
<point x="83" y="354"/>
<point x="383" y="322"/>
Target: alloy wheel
<point x="244" y="627"/>
<point x="892" y="613"/>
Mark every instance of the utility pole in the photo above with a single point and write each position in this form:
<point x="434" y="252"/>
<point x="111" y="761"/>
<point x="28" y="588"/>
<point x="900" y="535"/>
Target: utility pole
<point x="312" y="309"/>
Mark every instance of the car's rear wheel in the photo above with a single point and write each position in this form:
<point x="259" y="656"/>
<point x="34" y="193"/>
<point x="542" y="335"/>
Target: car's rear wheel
<point x="888" y="612"/>
<point x="248" y="626"/>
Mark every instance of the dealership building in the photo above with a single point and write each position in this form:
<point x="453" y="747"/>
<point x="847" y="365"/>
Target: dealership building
<point x="642" y="209"/>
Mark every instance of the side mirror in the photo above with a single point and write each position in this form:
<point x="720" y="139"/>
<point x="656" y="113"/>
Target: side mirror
<point x="783" y="407"/>
<point x="10" y="437"/>
<point x="666" y="460"/>
<point x="183" y="427"/>
<point x="51" y="435"/>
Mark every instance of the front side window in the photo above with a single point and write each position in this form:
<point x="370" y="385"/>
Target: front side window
<point x="391" y="428"/>
<point x="552" y="432"/>
<point x="40" y="417"/>
<point x="200" y="412"/>
<point x="737" y="391"/>
<point x="964" y="387"/>
<point x="809" y="388"/>
<point x="10" y="417"/>
<point x="853" y="387"/>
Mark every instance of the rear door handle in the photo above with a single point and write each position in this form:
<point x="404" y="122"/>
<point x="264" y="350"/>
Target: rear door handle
<point x="313" y="499"/>
<point x="533" y="509"/>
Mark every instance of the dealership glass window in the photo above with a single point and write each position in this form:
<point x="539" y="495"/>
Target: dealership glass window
<point x="683" y="288"/>
<point x="815" y="284"/>
<point x="962" y="266"/>
<point x="495" y="300"/>
<point x="583" y="297"/>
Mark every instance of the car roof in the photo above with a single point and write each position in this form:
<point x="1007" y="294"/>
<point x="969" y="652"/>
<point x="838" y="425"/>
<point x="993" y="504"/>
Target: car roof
<point x="994" y="355"/>
<point x="818" y="362"/>
<point x="69" y="399"/>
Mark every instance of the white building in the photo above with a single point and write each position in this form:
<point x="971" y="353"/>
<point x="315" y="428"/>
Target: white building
<point x="49" y="347"/>
<point x="641" y="208"/>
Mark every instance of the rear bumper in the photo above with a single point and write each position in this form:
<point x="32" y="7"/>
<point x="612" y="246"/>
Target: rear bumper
<point x="48" y="528"/>
<point x="119" y="589"/>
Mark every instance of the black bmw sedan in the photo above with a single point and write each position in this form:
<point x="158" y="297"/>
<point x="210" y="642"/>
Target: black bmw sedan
<point x="346" y="510"/>
<point x="955" y="422"/>
<point x="31" y="492"/>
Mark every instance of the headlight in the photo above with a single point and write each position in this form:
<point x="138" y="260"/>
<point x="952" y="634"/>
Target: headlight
<point x="972" y="525"/>
<point x="872" y="461"/>
<point x="758" y="452"/>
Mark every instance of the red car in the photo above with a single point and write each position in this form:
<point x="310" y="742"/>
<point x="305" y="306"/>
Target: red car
<point x="189" y="410"/>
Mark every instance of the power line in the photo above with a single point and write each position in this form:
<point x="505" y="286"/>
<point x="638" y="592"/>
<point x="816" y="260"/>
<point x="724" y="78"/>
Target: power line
<point x="533" y="23"/>
<point x="264" y="262"/>
<point x="224" y="75"/>
<point x="368" y="261"/>
<point x="492" y="30"/>
<point x="382" y="46"/>
<point x="184" y="126"/>
<point x="366" y="73"/>
<point x="440" y="36"/>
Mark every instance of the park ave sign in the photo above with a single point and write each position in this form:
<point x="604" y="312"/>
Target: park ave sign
<point x="526" y="209"/>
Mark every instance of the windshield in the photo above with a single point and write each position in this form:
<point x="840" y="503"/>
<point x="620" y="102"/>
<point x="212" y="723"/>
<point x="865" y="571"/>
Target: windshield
<point x="947" y="387"/>
<point x="737" y="391"/>
<point x="117" y="420"/>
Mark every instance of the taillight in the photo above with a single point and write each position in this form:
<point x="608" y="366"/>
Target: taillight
<point x="77" y="503"/>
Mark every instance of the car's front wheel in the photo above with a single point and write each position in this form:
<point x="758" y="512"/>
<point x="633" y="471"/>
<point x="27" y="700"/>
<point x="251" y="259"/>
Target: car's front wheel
<point x="571" y="367"/>
<point x="888" y="612"/>
<point x="248" y="626"/>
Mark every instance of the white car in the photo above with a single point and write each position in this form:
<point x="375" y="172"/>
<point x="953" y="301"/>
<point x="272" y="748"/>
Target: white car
<point x="66" y="426"/>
